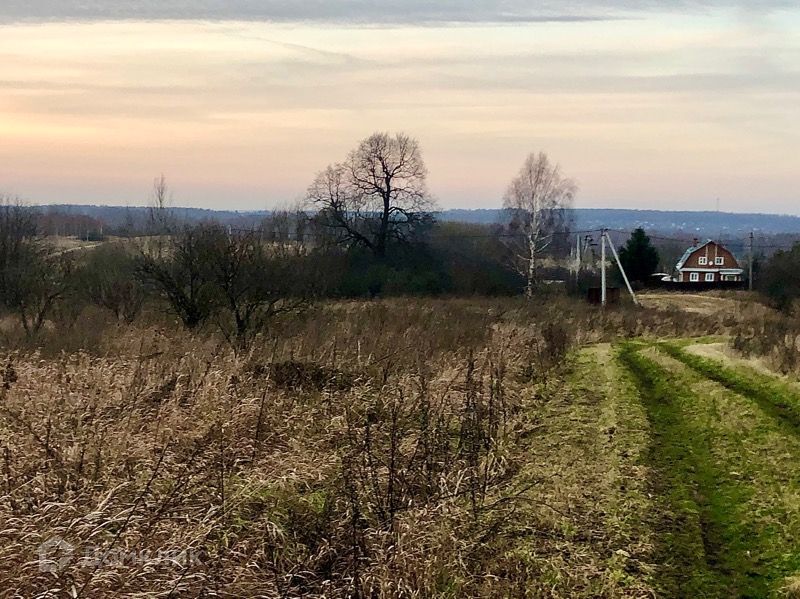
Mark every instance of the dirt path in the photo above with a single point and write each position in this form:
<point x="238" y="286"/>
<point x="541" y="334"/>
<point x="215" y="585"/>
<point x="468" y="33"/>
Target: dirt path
<point x="78" y="248"/>
<point x="725" y="448"/>
<point x="694" y="303"/>
<point x="722" y="353"/>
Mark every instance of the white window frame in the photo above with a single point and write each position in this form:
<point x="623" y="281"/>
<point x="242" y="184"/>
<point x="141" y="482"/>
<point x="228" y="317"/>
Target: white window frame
<point x="694" y="277"/>
<point x="720" y="261"/>
<point x="703" y="261"/>
<point x="709" y="277"/>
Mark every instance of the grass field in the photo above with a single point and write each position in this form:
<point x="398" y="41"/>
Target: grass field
<point x="406" y="448"/>
<point x="724" y="453"/>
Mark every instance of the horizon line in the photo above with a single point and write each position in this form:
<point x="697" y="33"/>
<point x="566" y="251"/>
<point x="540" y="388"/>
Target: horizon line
<point x="451" y="209"/>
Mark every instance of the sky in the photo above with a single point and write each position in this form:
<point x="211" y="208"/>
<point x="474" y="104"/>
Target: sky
<point x="654" y="104"/>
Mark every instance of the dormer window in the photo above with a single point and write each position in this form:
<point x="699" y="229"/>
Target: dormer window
<point x="703" y="261"/>
<point x="720" y="261"/>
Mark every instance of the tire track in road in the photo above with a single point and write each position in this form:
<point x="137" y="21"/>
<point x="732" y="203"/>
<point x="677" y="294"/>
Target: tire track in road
<point x="689" y="547"/>
<point x="735" y="447"/>
<point x="776" y="399"/>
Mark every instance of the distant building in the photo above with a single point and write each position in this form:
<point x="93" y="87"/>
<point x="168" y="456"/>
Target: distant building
<point x="708" y="263"/>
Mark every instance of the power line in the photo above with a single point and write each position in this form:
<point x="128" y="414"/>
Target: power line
<point x="312" y="234"/>
<point x="742" y="240"/>
<point x="597" y="231"/>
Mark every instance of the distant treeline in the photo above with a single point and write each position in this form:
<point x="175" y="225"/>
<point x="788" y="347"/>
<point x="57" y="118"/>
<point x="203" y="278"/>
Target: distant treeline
<point x="239" y="280"/>
<point x="683" y="224"/>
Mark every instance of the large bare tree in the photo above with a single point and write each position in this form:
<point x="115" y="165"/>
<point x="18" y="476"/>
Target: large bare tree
<point x="377" y="196"/>
<point x="538" y="201"/>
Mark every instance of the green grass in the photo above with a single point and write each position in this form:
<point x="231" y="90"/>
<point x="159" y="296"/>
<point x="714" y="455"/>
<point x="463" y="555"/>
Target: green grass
<point x="582" y="529"/>
<point x="773" y="396"/>
<point x="618" y="439"/>
<point x="682" y="470"/>
<point x="726" y="468"/>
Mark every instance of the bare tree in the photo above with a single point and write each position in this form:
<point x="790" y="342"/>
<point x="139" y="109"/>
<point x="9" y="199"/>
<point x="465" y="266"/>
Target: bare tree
<point x="377" y="196"/>
<point x="40" y="280"/>
<point x="537" y="203"/>
<point x="255" y="280"/>
<point x="180" y="272"/>
<point x="237" y="279"/>
<point x="286" y="224"/>
<point x="159" y="210"/>
<point x="108" y="279"/>
<point x="17" y="228"/>
<point x="34" y="277"/>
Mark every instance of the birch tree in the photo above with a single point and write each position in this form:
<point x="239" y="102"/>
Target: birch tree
<point x="537" y="202"/>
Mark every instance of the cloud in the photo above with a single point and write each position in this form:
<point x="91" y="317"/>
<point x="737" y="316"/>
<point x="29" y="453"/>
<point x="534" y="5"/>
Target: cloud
<point x="661" y="105"/>
<point x="361" y="11"/>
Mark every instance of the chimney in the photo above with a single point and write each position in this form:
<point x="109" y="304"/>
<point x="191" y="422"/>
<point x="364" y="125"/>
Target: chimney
<point x="695" y="241"/>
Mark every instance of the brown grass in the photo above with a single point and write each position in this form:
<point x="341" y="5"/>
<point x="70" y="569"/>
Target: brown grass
<point x="390" y="448"/>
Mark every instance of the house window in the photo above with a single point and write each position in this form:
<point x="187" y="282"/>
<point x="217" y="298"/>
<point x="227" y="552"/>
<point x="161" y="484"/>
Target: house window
<point x="709" y="277"/>
<point x="694" y="277"/>
<point x="720" y="261"/>
<point x="703" y="260"/>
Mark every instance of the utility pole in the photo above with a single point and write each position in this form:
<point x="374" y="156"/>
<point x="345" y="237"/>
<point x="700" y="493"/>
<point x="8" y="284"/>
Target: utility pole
<point x="750" y="283"/>
<point x="622" y="270"/>
<point x="603" y="292"/>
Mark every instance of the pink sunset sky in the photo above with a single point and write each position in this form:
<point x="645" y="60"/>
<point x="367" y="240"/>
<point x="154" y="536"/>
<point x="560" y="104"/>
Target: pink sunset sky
<point x="239" y="103"/>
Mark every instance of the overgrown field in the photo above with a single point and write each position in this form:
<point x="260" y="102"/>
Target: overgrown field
<point x="400" y="448"/>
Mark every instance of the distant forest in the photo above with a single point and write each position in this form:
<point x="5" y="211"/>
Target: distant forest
<point x="703" y="224"/>
<point x="717" y="225"/>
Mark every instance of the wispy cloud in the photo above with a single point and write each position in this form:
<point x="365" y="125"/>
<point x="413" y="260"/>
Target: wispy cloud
<point x="658" y="107"/>
<point x="362" y="11"/>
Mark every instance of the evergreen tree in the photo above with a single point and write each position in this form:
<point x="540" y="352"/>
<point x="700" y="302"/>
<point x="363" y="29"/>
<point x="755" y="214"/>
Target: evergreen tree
<point x="639" y="258"/>
<point x="778" y="278"/>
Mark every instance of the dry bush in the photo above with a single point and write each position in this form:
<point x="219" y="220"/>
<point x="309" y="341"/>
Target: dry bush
<point x="775" y="337"/>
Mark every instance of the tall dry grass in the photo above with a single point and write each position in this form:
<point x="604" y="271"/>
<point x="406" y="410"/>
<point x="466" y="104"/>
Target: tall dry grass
<point x="773" y="336"/>
<point x="363" y="449"/>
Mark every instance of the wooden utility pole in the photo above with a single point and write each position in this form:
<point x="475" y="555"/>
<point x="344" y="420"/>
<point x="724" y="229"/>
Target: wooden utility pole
<point x="622" y="270"/>
<point x="577" y="265"/>
<point x="603" y="292"/>
<point x="750" y="282"/>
